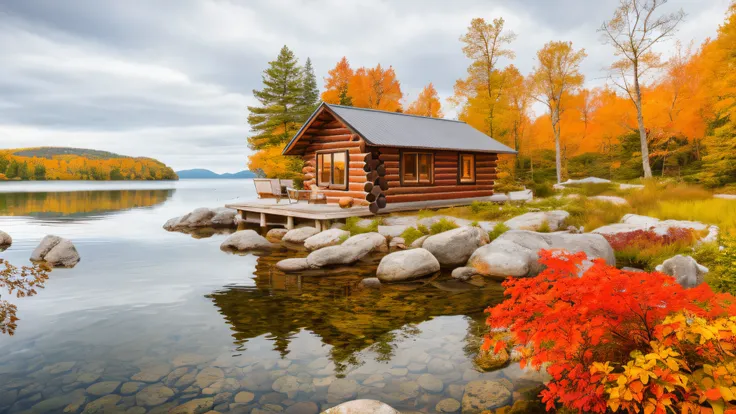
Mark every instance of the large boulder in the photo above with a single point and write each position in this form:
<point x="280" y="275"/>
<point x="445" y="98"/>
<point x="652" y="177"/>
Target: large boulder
<point x="484" y="395"/>
<point x="296" y="264"/>
<point x="299" y="235"/>
<point x="686" y="271"/>
<point x="454" y="247"/>
<point x="393" y="230"/>
<point x="362" y="407"/>
<point x="56" y="251"/>
<point x="276" y="234"/>
<point x="204" y="217"/>
<point x="407" y="265"/>
<point x="245" y="240"/>
<point x="535" y="220"/>
<point x="336" y="255"/>
<point x="5" y="240"/>
<point x="634" y="222"/>
<point x="515" y="253"/>
<point x="326" y="238"/>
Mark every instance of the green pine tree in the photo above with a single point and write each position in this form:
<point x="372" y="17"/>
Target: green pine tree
<point x="280" y="114"/>
<point x="310" y="93"/>
<point x="12" y="170"/>
<point x="23" y="171"/>
<point x="39" y="172"/>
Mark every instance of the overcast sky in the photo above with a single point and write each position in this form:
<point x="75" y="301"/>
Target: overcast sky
<point x="171" y="79"/>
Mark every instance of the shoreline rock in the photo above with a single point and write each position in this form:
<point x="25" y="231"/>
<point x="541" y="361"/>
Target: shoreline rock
<point x="245" y="240"/>
<point x="407" y="265"/>
<point x="686" y="271"/>
<point x="454" y="247"/>
<point x="330" y="237"/>
<point x="56" y="252"/>
<point x="533" y="221"/>
<point x="5" y="240"/>
<point x="220" y="217"/>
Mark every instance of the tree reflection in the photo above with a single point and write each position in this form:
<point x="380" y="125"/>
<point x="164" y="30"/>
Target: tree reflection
<point x="23" y="282"/>
<point x="78" y="202"/>
<point x="333" y="306"/>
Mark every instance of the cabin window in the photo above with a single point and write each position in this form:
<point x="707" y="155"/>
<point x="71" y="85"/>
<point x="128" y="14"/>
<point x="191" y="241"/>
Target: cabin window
<point x="417" y="168"/>
<point x="466" y="169"/>
<point x="332" y="169"/>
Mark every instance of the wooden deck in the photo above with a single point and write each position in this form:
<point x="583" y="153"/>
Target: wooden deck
<point x="267" y="212"/>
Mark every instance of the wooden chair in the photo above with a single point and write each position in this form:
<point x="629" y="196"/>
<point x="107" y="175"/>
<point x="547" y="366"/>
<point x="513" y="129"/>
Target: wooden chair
<point x="268" y="188"/>
<point x="312" y="195"/>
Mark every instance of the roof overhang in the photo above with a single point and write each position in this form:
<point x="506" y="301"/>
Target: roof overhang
<point x="322" y="108"/>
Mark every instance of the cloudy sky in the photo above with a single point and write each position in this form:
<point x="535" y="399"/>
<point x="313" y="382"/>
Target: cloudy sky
<point x="171" y="79"/>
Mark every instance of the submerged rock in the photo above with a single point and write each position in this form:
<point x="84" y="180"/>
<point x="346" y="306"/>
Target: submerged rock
<point x="362" y="407"/>
<point x="454" y="247"/>
<point x="299" y="234"/>
<point x="5" y="240"/>
<point x="482" y="395"/>
<point x="686" y="271"/>
<point x="245" y="240"/>
<point x="198" y="406"/>
<point x="407" y="265"/>
<point x="515" y="253"/>
<point x="153" y="395"/>
<point x="448" y="405"/>
<point x="342" y="389"/>
<point x="534" y="221"/>
<point x="326" y="238"/>
<point x="56" y="251"/>
<point x="463" y="273"/>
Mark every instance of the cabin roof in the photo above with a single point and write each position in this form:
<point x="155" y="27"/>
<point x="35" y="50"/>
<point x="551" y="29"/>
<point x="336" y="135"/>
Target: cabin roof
<point x="393" y="129"/>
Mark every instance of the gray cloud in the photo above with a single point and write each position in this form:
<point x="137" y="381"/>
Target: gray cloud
<point x="171" y="79"/>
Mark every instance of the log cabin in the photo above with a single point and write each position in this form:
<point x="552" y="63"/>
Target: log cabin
<point x="378" y="157"/>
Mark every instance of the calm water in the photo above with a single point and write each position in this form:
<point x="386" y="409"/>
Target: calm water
<point x="146" y="306"/>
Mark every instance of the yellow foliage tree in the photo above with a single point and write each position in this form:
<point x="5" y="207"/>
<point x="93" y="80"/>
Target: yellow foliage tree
<point x="427" y="103"/>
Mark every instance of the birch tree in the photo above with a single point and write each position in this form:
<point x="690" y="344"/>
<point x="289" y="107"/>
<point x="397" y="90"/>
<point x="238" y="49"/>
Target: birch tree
<point x="556" y="75"/>
<point x="633" y="31"/>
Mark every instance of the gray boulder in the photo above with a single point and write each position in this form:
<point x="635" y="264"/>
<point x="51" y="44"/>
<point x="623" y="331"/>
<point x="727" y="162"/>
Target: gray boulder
<point x="419" y="242"/>
<point x="56" y="251"/>
<point x="397" y="243"/>
<point x="633" y="222"/>
<point x="245" y="240"/>
<point x="300" y="234"/>
<point x="326" y="238"/>
<point x="276" y="234"/>
<point x="429" y="221"/>
<point x="393" y="230"/>
<point x="5" y="240"/>
<point x="463" y="273"/>
<point x="515" y="253"/>
<point x="224" y="217"/>
<point x="686" y="271"/>
<point x="377" y="242"/>
<point x="297" y="264"/>
<point x="454" y="247"/>
<point x="362" y="407"/>
<point x="203" y="217"/>
<point x="407" y="265"/>
<point x="336" y="255"/>
<point x="534" y="221"/>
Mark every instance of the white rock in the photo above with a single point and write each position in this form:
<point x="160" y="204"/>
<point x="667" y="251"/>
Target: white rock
<point x="326" y="238"/>
<point x="410" y="221"/>
<point x="337" y="255"/>
<point x="362" y="407"/>
<point x="631" y="186"/>
<point x="611" y="199"/>
<point x="392" y="231"/>
<point x="586" y="180"/>
<point x="454" y="247"/>
<point x="407" y="265"/>
<point x="300" y="234"/>
<point x="533" y="221"/>
<point x="686" y="271"/>
<point x="5" y="239"/>
<point x="245" y="240"/>
<point x="418" y="242"/>
<point x="224" y="217"/>
<point x="296" y="264"/>
<point x="377" y="241"/>
<point x="635" y="222"/>
<point x="276" y="234"/>
<point x="725" y="196"/>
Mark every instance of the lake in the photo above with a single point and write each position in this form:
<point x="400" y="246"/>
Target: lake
<point x="150" y="319"/>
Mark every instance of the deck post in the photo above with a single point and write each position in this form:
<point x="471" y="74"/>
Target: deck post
<point x="263" y="219"/>
<point x="318" y="225"/>
<point x="289" y="222"/>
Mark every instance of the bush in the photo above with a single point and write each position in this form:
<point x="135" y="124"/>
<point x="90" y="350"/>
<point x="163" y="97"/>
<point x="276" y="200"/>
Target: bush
<point x="411" y="234"/>
<point x="723" y="270"/>
<point x="543" y="190"/>
<point x="442" y="226"/>
<point x="613" y="339"/>
<point x="646" y="249"/>
<point x="351" y="225"/>
<point x="544" y="227"/>
<point x="498" y="230"/>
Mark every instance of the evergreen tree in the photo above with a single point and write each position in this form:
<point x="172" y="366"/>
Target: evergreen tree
<point x="23" y="171"/>
<point x="310" y="93"/>
<point x="280" y="114"/>
<point x="4" y="162"/>
<point x="12" y="170"/>
<point x="39" y="172"/>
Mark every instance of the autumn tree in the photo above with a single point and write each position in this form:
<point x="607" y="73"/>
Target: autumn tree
<point x="279" y="114"/>
<point x="484" y="43"/>
<point x="427" y="103"/>
<point x="519" y="99"/>
<point x="375" y="88"/>
<point x="21" y="282"/>
<point x="634" y="29"/>
<point x="336" y="84"/>
<point x="557" y="74"/>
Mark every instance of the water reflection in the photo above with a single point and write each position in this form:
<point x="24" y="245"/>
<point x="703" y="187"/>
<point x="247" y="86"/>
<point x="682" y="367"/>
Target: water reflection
<point x="79" y="203"/>
<point x="344" y="315"/>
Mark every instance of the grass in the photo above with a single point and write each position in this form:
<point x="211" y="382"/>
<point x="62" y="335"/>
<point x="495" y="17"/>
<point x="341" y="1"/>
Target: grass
<point x="442" y="226"/>
<point x="544" y="227"/>
<point x="498" y="230"/>
<point x="716" y="211"/>
<point x="411" y="234"/>
<point x="351" y="225"/>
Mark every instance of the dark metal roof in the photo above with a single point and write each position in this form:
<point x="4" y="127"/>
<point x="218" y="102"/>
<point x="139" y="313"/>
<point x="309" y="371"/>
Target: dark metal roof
<point x="393" y="129"/>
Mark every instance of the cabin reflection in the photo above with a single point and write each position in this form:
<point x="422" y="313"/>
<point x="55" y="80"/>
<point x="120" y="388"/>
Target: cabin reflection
<point x="344" y="315"/>
<point x="79" y="204"/>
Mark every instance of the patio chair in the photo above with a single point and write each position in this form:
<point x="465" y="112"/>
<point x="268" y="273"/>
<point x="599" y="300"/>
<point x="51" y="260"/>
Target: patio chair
<point x="268" y="188"/>
<point x="295" y="195"/>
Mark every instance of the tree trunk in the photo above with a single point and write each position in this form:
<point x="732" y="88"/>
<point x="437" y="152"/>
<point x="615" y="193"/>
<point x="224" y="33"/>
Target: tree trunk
<point x="556" y="129"/>
<point x="642" y="130"/>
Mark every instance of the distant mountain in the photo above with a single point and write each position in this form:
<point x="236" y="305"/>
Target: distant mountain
<point x="203" y="173"/>
<point x="66" y="163"/>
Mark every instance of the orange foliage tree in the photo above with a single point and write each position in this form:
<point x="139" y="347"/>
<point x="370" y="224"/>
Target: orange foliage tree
<point x="21" y="282"/>
<point x="606" y="337"/>
<point x="427" y="103"/>
<point x="336" y="84"/>
<point x="375" y="88"/>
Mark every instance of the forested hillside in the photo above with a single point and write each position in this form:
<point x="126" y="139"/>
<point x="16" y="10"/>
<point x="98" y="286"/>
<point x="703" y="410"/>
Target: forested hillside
<point x="672" y="118"/>
<point x="61" y="163"/>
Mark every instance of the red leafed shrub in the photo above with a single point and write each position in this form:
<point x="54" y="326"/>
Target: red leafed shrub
<point x="646" y="238"/>
<point x="568" y="323"/>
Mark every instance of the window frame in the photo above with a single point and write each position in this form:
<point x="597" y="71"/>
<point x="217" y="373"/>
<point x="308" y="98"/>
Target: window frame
<point x="460" y="168"/>
<point x="417" y="183"/>
<point x="331" y="185"/>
